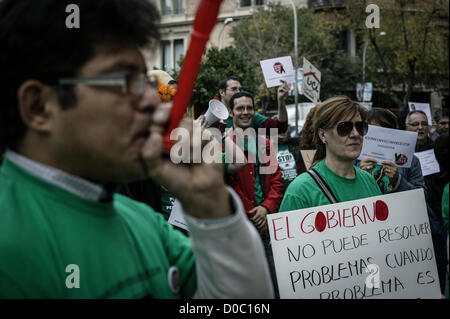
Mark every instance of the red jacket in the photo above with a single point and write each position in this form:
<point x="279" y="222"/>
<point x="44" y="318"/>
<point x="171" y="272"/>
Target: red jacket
<point x="243" y="182"/>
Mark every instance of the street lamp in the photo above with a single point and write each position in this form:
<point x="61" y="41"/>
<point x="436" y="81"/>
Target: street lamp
<point x="295" y="65"/>
<point x="227" y="21"/>
<point x="364" y="57"/>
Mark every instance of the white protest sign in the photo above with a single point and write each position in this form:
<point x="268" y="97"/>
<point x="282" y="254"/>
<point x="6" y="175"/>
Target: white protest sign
<point x="385" y="144"/>
<point x="424" y="107"/>
<point x="278" y="69"/>
<point x="359" y="91"/>
<point x="311" y="81"/>
<point x="176" y="216"/>
<point x="428" y="162"/>
<point x="368" y="88"/>
<point x="378" y="247"/>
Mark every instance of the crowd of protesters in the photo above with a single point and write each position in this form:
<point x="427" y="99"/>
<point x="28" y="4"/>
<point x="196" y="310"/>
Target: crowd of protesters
<point x="84" y="179"/>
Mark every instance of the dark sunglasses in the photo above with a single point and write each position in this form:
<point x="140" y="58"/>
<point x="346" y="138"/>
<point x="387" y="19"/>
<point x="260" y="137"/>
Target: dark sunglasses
<point x="345" y="128"/>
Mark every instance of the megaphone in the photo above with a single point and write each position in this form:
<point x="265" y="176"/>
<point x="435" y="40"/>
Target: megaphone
<point x="216" y="111"/>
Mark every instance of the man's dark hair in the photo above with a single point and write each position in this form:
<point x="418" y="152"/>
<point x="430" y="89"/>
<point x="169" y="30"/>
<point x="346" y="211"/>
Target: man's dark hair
<point x="384" y="116"/>
<point x="440" y="114"/>
<point x="36" y="44"/>
<point x="223" y="82"/>
<point x="239" y="95"/>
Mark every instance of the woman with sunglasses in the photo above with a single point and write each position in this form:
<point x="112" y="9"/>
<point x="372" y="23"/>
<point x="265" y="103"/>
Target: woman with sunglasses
<point x="339" y="128"/>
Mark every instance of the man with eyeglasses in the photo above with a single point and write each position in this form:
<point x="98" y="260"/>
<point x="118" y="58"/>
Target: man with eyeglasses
<point x="232" y="85"/>
<point x="78" y="117"/>
<point x="441" y="120"/>
<point x="417" y="121"/>
<point x="259" y="187"/>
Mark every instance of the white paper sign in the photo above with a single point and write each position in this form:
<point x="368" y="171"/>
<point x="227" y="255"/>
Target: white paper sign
<point x="176" y="216"/>
<point x="311" y="81"/>
<point x="428" y="162"/>
<point x="278" y="69"/>
<point x="385" y="144"/>
<point x="368" y="88"/>
<point x="359" y="91"/>
<point x="378" y="247"/>
<point x="424" y="107"/>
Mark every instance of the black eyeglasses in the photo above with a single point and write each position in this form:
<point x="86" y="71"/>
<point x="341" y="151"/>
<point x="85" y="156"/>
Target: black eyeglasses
<point x="132" y="83"/>
<point x="345" y="128"/>
<point x="235" y="89"/>
<point x="416" y="124"/>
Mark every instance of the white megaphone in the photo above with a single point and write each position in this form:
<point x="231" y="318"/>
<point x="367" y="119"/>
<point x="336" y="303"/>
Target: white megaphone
<point x="216" y="111"/>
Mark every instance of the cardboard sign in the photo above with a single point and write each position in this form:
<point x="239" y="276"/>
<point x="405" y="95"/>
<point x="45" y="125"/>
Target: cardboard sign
<point x="278" y="69"/>
<point x="378" y="247"/>
<point x="308" y="156"/>
<point x="424" y="107"/>
<point x="428" y="162"/>
<point x="385" y="144"/>
<point x="311" y="81"/>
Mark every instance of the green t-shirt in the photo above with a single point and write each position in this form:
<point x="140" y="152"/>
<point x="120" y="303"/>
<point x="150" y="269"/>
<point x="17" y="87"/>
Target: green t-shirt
<point x="251" y="148"/>
<point x="167" y="200"/>
<point x="257" y="122"/>
<point x="303" y="192"/>
<point x="286" y="161"/>
<point x="122" y="248"/>
<point x="445" y="205"/>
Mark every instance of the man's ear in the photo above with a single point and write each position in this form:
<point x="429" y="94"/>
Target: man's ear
<point x="221" y="93"/>
<point x="33" y="99"/>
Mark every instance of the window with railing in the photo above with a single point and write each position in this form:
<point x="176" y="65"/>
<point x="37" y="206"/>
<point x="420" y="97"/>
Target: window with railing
<point x="166" y="60"/>
<point x="178" y="50"/>
<point x="172" y="7"/>
<point x="178" y="6"/>
<point x="171" y="51"/>
<point x="249" y="3"/>
<point x="245" y="3"/>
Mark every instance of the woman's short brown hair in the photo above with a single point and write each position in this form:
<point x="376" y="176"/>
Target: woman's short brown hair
<point x="328" y="114"/>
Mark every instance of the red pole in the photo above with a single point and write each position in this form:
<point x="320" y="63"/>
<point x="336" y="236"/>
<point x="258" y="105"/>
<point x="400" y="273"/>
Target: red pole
<point x="205" y="19"/>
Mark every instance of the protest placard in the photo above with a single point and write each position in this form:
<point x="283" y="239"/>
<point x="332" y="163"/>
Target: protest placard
<point x="308" y="157"/>
<point x="378" y="247"/>
<point x="311" y="81"/>
<point x="278" y="69"/>
<point x="385" y="144"/>
<point x="424" y="107"/>
<point x="428" y="162"/>
<point x="367" y="94"/>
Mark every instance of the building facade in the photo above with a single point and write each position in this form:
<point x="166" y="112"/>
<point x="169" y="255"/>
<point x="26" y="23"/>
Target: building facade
<point x="177" y="17"/>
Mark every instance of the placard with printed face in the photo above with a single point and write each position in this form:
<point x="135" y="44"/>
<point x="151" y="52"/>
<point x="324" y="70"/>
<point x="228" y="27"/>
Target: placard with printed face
<point x="278" y="69"/>
<point x="424" y="107"/>
<point x="378" y="247"/>
<point x="385" y="144"/>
